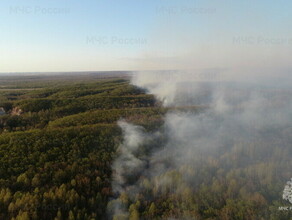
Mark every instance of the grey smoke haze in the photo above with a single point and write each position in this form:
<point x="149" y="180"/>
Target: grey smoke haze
<point x="236" y="114"/>
<point x="127" y="164"/>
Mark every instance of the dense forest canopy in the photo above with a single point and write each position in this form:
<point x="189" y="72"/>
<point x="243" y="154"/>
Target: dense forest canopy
<point x="59" y="140"/>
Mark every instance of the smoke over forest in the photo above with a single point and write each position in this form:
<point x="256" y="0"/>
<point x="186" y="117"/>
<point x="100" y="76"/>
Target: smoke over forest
<point x="223" y="151"/>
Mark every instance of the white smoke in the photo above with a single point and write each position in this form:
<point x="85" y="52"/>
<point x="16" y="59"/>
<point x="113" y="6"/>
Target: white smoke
<point x="234" y="114"/>
<point x="128" y="164"/>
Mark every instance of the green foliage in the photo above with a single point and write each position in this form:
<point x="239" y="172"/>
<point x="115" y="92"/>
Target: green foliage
<point x="62" y="171"/>
<point x="56" y="157"/>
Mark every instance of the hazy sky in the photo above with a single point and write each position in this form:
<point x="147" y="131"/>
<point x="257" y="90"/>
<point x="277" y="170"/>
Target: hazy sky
<point x="75" y="35"/>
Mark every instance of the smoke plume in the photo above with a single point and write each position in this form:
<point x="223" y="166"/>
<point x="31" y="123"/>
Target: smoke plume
<point x="238" y="117"/>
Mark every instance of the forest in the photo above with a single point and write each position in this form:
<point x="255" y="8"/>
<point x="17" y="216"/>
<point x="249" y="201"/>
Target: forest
<point x="59" y="138"/>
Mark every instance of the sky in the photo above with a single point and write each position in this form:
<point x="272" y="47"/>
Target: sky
<point x="96" y="35"/>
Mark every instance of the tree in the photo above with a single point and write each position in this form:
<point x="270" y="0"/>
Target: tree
<point x="152" y="210"/>
<point x="134" y="214"/>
